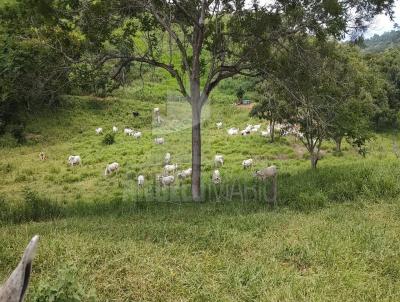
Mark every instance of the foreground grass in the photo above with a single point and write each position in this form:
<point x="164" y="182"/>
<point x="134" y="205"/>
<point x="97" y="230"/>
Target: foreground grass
<point x="222" y="252"/>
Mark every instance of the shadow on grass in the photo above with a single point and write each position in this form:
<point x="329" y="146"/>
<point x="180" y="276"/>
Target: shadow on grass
<point x="303" y="191"/>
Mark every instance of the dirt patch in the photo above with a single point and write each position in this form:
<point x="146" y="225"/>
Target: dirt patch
<point x="246" y="107"/>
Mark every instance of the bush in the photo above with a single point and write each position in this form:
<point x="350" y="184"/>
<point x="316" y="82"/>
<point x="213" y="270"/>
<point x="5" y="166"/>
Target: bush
<point x="65" y="288"/>
<point x="109" y="139"/>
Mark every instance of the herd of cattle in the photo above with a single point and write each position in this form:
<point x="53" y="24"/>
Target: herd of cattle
<point x="167" y="177"/>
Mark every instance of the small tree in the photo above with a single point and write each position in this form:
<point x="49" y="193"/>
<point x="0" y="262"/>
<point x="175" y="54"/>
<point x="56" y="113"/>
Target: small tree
<point x="240" y="94"/>
<point x="326" y="95"/>
<point x="271" y="106"/>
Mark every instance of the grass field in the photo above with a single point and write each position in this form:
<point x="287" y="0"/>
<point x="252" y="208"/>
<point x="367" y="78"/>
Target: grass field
<point x="332" y="237"/>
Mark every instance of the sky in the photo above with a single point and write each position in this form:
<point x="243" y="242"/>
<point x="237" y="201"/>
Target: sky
<point x="382" y="23"/>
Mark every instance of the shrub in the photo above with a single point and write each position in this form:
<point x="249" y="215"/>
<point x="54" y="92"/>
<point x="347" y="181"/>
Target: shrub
<point x="109" y="139"/>
<point x="65" y="288"/>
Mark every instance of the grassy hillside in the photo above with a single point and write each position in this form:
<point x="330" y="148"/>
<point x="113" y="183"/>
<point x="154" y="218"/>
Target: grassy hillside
<point x="333" y="237"/>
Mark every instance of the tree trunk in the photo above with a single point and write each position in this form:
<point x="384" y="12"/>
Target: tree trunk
<point x="314" y="159"/>
<point x="272" y="130"/>
<point x="338" y="142"/>
<point x="196" y="153"/>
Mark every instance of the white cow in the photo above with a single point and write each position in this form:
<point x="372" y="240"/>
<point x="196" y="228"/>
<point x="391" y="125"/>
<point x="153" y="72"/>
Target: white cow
<point x="74" y="160"/>
<point x="159" y="140"/>
<point x="233" y="131"/>
<point x="219" y="160"/>
<point x="128" y="131"/>
<point x="99" y="130"/>
<point x="115" y="129"/>
<point x="14" y="289"/>
<point x="247" y="163"/>
<point x="219" y="125"/>
<point x="185" y="173"/>
<point x="265" y="133"/>
<point x="111" y="168"/>
<point x="166" y="180"/>
<point x="137" y="134"/>
<point x="216" y="177"/>
<point x="170" y="168"/>
<point x="265" y="173"/>
<point x="140" y="181"/>
<point x="167" y="158"/>
<point x="244" y="132"/>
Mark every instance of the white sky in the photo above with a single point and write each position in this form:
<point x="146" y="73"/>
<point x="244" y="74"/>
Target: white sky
<point x="382" y="23"/>
<point x="379" y="25"/>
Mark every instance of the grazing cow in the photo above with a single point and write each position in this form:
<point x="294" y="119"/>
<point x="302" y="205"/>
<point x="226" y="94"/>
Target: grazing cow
<point x="166" y="180"/>
<point x="247" y="163"/>
<point x="219" y="125"/>
<point x="42" y="156"/>
<point x="140" y="181"/>
<point x="135" y="113"/>
<point x="14" y="289"/>
<point x="137" y="134"/>
<point x="170" y="168"/>
<point x="167" y="158"/>
<point x="219" y="160"/>
<point x="115" y="129"/>
<point x="99" y="131"/>
<point x="244" y="132"/>
<point x="185" y="173"/>
<point x="128" y="131"/>
<point x="265" y="173"/>
<point x="111" y="168"/>
<point x="216" y="177"/>
<point x="159" y="140"/>
<point x="74" y="160"/>
<point x="233" y="131"/>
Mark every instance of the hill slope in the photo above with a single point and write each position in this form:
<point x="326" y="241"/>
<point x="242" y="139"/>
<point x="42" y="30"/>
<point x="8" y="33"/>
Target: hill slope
<point x="331" y="238"/>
